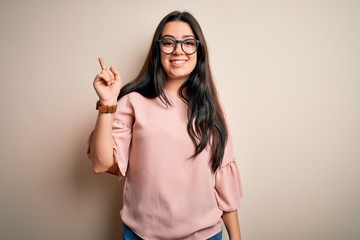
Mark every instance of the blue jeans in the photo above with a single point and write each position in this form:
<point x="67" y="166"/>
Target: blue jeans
<point x="216" y="236"/>
<point x="128" y="234"/>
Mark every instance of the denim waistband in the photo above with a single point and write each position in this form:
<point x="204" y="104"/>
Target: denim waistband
<point x="128" y="234"/>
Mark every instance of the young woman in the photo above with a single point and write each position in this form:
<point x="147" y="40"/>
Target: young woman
<point x="165" y="132"/>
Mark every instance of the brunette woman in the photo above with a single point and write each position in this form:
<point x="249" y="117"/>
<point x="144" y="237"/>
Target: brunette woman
<point x="166" y="134"/>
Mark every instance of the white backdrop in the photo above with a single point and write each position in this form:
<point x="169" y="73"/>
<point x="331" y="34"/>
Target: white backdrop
<point x="288" y="74"/>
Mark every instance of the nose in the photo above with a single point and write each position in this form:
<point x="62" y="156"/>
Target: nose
<point x="178" y="49"/>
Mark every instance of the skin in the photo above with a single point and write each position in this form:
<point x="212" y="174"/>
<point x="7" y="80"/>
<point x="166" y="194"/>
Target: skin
<point x="232" y="225"/>
<point x="107" y="85"/>
<point x="177" y="66"/>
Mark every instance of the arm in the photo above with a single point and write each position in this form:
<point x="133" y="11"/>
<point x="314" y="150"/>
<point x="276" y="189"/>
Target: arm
<point x="101" y="146"/>
<point x="107" y="85"/>
<point x="231" y="222"/>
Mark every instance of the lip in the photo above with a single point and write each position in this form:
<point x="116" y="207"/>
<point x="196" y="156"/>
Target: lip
<point x="178" y="62"/>
<point x="177" y="59"/>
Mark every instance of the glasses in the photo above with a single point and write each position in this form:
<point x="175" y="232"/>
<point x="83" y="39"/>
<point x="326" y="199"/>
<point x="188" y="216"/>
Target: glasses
<point x="168" y="45"/>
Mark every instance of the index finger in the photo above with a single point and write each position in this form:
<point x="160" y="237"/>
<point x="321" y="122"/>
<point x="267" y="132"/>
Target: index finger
<point x="102" y="63"/>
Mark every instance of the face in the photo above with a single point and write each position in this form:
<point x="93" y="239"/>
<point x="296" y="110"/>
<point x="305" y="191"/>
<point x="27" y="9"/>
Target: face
<point x="178" y="65"/>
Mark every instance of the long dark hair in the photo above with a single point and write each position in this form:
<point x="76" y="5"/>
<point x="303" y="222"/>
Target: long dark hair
<point x="206" y="122"/>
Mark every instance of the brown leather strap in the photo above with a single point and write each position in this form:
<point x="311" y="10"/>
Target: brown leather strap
<point x="105" y="108"/>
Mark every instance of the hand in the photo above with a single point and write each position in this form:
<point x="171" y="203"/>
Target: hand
<point x="107" y="84"/>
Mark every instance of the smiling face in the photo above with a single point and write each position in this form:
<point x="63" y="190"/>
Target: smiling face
<point x="178" y="65"/>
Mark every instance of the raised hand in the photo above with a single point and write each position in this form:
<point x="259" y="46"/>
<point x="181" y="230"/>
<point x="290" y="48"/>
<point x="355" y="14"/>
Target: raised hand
<point x="107" y="84"/>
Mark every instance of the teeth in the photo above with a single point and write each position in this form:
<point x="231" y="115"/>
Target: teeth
<point x="178" y="61"/>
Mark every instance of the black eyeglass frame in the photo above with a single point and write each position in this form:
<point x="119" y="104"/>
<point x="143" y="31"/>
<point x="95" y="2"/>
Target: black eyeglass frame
<point x="181" y="44"/>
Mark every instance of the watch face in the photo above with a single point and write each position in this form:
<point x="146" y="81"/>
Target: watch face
<point x="98" y="105"/>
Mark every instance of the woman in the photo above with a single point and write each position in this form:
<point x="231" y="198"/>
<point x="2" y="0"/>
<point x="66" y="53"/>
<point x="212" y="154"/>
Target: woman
<point x="165" y="132"/>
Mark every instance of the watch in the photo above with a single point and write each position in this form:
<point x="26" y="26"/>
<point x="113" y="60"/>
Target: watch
<point x="105" y="108"/>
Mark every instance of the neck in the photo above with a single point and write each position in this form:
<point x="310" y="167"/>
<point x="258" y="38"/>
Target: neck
<point x="172" y="86"/>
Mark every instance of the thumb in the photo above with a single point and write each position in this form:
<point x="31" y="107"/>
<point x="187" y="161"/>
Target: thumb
<point x="115" y="72"/>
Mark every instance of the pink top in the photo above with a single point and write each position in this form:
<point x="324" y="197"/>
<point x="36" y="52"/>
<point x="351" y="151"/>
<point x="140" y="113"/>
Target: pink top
<point x="167" y="194"/>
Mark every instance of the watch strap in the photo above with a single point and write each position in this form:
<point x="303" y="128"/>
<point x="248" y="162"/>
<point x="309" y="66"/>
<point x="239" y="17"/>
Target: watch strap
<point x="105" y="108"/>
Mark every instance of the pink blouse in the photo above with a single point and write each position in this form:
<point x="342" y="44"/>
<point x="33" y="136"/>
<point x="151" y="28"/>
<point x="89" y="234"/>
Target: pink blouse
<point x="168" y="194"/>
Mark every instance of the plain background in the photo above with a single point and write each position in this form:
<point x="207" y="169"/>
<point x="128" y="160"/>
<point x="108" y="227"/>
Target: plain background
<point x="288" y="73"/>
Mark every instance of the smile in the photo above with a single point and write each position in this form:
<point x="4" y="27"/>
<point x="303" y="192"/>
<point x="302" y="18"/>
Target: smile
<point x="178" y="62"/>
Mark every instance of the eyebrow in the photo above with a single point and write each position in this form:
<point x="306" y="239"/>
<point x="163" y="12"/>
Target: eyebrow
<point x="185" y="36"/>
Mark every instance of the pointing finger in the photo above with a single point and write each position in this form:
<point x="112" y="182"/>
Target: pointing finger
<point x="102" y="63"/>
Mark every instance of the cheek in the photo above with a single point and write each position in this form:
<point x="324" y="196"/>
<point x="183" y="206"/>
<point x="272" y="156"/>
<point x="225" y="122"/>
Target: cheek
<point x="193" y="61"/>
<point x="163" y="59"/>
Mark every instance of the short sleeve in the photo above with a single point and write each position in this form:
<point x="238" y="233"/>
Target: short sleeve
<point x="121" y="133"/>
<point x="228" y="189"/>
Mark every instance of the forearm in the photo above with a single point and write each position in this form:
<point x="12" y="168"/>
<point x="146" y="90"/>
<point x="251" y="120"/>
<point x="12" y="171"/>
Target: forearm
<point x="231" y="222"/>
<point x="101" y="146"/>
<point x="107" y="85"/>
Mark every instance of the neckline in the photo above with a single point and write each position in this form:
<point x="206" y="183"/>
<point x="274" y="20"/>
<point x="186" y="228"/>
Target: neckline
<point x="172" y="98"/>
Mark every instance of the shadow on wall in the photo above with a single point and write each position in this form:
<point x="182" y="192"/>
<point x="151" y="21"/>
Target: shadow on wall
<point x="115" y="226"/>
<point x="109" y="188"/>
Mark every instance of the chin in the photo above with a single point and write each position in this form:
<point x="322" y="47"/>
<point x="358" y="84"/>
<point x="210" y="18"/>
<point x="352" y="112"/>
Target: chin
<point x="179" y="77"/>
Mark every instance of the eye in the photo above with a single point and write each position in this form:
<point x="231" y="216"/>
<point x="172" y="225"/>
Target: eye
<point x="167" y="42"/>
<point x="190" y="42"/>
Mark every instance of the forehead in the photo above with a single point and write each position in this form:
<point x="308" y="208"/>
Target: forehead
<point x="177" y="29"/>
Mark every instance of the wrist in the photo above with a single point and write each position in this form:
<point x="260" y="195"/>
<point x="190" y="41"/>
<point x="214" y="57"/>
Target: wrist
<point x="103" y="107"/>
